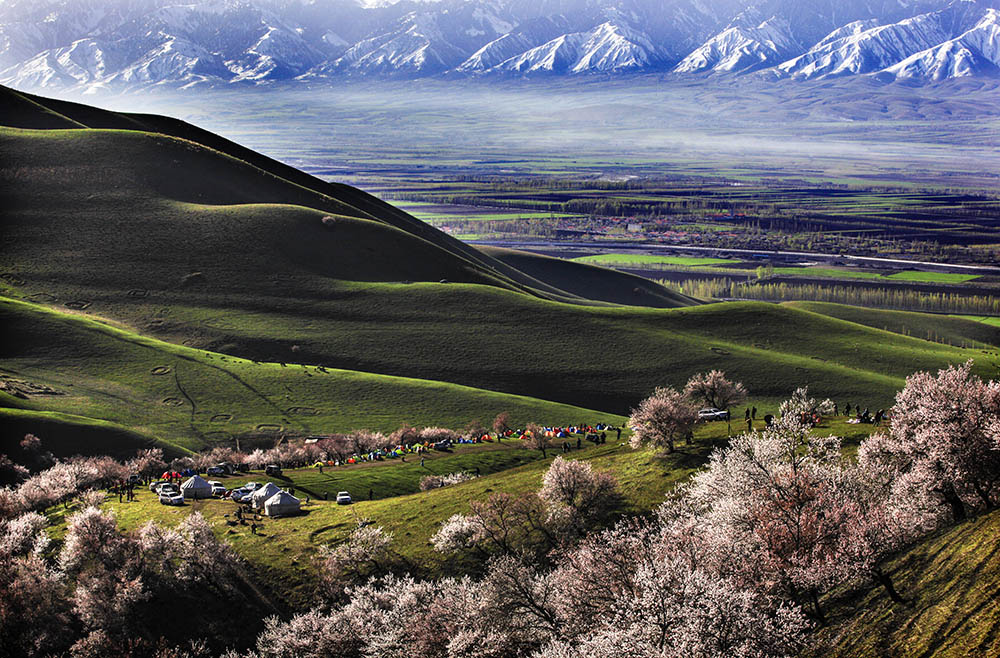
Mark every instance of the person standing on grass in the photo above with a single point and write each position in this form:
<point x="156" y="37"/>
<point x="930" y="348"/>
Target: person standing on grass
<point x="371" y="494"/>
<point x="253" y="528"/>
<point x="753" y="413"/>
<point x="421" y="462"/>
<point x="746" y="416"/>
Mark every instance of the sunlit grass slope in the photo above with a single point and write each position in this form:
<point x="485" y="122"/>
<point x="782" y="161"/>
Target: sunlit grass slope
<point x="194" y="398"/>
<point x="284" y="553"/>
<point x="952" y="580"/>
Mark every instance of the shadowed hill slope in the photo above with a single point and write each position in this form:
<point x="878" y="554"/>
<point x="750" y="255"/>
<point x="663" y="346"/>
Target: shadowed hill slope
<point x="200" y="179"/>
<point x="66" y="434"/>
<point x="589" y="281"/>
<point x="927" y="326"/>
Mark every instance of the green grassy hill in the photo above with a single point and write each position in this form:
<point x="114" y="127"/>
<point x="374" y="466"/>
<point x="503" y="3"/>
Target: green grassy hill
<point x="927" y="326"/>
<point x="192" y="398"/>
<point x="192" y="165"/>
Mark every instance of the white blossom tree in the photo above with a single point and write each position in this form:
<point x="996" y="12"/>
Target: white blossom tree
<point x="662" y="419"/>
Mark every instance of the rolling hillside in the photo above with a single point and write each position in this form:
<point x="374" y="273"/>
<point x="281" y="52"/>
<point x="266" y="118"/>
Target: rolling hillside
<point x="938" y="328"/>
<point x="190" y="399"/>
<point x="181" y="236"/>
<point x="187" y="171"/>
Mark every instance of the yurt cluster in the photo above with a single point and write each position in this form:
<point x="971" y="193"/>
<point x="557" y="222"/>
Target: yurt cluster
<point x="269" y="499"/>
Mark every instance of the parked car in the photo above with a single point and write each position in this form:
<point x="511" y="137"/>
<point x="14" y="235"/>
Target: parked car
<point x="215" y="470"/>
<point x="252" y="486"/>
<point x="218" y="489"/>
<point x="343" y="498"/>
<point x="237" y="495"/>
<point x="272" y="469"/>
<point x="155" y="484"/>
<point x="243" y="468"/>
<point x="713" y="414"/>
<point x="171" y="498"/>
<point x="167" y="487"/>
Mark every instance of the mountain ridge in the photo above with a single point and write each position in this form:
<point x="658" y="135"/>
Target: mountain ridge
<point x="135" y="44"/>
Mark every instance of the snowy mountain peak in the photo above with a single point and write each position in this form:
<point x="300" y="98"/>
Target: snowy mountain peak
<point x="93" y="44"/>
<point x="742" y="48"/>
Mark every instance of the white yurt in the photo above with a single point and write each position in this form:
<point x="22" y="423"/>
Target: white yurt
<point x="258" y="497"/>
<point x="282" y="504"/>
<point x="196" y="487"/>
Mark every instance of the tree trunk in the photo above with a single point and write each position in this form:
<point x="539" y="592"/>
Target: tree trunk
<point x="956" y="504"/>
<point x="982" y="494"/>
<point x="886" y="582"/>
<point x="817" y="609"/>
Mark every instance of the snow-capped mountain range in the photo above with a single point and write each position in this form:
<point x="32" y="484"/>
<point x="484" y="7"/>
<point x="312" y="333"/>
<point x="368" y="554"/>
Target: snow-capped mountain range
<point x="123" y="44"/>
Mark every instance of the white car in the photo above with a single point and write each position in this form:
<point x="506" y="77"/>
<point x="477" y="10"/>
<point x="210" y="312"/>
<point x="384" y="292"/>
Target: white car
<point x="215" y="470"/>
<point x="252" y="486"/>
<point x="237" y="495"/>
<point x="218" y="489"/>
<point x="171" y="498"/>
<point x="343" y="498"/>
<point x="153" y="486"/>
<point x="713" y="414"/>
<point x="167" y="487"/>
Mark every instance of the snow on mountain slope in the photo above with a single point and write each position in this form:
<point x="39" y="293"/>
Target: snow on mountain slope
<point x="136" y="43"/>
<point x="846" y="32"/>
<point x="496" y="52"/>
<point x="977" y="51"/>
<point x="743" y="47"/>
<point x="423" y="42"/>
<point x="175" y="60"/>
<point x="867" y="51"/>
<point x="611" y="47"/>
<point x="525" y="37"/>
<point x="557" y="56"/>
<point x="278" y="54"/>
<point x="606" y="48"/>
